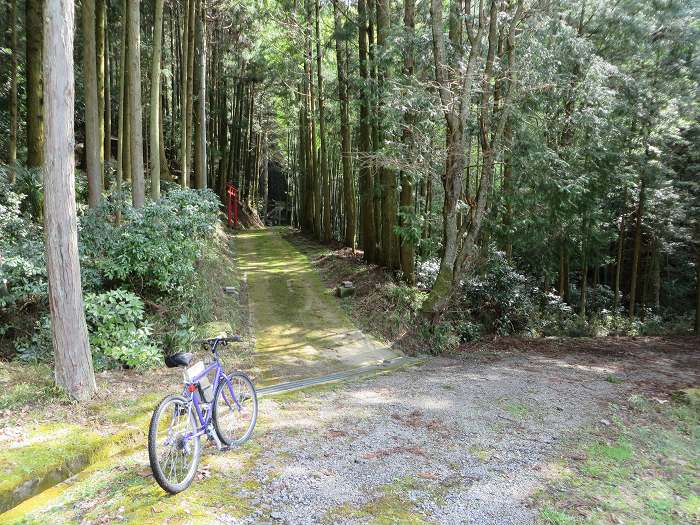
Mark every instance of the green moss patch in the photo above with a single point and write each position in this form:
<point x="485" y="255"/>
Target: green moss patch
<point x="300" y="328"/>
<point x="390" y="507"/>
<point x="54" y="453"/>
<point x="641" y="469"/>
<point x="124" y="490"/>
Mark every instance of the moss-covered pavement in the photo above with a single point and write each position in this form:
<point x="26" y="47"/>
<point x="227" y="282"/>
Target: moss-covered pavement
<point x="301" y="330"/>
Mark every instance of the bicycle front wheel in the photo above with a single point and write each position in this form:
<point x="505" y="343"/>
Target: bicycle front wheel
<point x="172" y="450"/>
<point x="235" y="409"/>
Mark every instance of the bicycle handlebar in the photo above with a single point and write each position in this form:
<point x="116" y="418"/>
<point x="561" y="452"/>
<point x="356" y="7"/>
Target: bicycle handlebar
<point x="209" y="341"/>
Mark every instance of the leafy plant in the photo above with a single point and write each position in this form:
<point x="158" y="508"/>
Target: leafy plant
<point x="22" y="263"/>
<point x="154" y="248"/>
<point x="118" y="332"/>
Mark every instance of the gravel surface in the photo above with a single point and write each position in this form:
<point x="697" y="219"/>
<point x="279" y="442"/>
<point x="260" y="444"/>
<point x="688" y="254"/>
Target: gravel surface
<point x="446" y="442"/>
<point x="452" y="441"/>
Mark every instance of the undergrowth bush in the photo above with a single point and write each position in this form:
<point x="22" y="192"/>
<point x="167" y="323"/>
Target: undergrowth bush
<point x="22" y="260"/>
<point x="118" y="332"/>
<point x="500" y="300"/>
<point x="154" y="249"/>
<point x="149" y="254"/>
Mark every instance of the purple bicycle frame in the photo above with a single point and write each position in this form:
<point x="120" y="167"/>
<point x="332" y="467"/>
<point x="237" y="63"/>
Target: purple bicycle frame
<point x="204" y="422"/>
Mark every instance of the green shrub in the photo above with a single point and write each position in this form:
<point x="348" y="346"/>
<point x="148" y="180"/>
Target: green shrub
<point x="22" y="261"/>
<point x="154" y="248"/>
<point x="118" y="332"/>
<point x="468" y="330"/>
<point x="439" y="338"/>
<point x="37" y="347"/>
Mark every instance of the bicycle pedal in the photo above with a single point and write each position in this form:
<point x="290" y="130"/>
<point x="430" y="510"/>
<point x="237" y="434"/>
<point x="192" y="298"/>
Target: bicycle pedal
<point x="212" y="436"/>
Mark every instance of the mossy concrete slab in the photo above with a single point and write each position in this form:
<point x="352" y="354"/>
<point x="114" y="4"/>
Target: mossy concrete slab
<point x="53" y="453"/>
<point x="301" y="330"/>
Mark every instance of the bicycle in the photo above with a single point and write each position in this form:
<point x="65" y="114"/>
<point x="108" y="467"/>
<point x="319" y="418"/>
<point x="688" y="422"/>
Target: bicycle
<point x="216" y="410"/>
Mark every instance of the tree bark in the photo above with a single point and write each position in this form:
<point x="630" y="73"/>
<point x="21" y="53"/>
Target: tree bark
<point x="346" y="146"/>
<point x="108" y="101"/>
<point x="618" y="262"/>
<point x="407" y="245"/>
<point x="460" y="238"/>
<point x="93" y="144"/>
<point x="34" y="29"/>
<point x="637" y="246"/>
<point x="200" y="134"/>
<point x="265" y="182"/>
<point x="99" y="35"/>
<point x="697" y="278"/>
<point x="154" y="115"/>
<point x="366" y="179"/>
<point x="12" y="153"/>
<point x="386" y="175"/>
<point x="73" y="361"/>
<point x="135" y="115"/>
<point x="325" y="231"/>
<point x="121" y="113"/>
<point x="184" y="136"/>
<point x="190" y="85"/>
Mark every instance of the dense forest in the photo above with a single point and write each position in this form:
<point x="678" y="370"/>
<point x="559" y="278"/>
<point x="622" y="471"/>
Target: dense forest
<point x="524" y="167"/>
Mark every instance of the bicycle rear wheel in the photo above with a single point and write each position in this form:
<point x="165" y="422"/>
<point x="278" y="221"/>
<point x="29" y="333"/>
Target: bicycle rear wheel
<point x="235" y="410"/>
<point x="173" y="452"/>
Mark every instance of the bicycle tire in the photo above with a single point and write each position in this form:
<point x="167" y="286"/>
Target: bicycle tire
<point x="156" y="467"/>
<point x="218" y="415"/>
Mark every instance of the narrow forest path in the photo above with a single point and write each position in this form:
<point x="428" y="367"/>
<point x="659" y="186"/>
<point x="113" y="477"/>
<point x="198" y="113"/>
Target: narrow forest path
<point x="300" y="329"/>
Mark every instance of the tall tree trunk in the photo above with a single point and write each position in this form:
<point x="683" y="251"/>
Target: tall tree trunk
<point x="323" y="172"/>
<point x="407" y="249"/>
<point x="135" y="115"/>
<point x="100" y="31"/>
<point x="92" y="119"/>
<point x="655" y="274"/>
<point x="697" y="277"/>
<point x="184" y="137"/>
<point x="346" y="147"/>
<point x="72" y="357"/>
<point x="311" y="211"/>
<point x="155" y="125"/>
<point x="366" y="182"/>
<point x="508" y="188"/>
<point x="455" y="81"/>
<point x="107" y="101"/>
<point x="618" y="261"/>
<point x="191" y="27"/>
<point x="637" y="246"/>
<point x="12" y="153"/>
<point x="386" y="176"/>
<point x="121" y="113"/>
<point x="265" y="175"/>
<point x="584" y="271"/>
<point x="164" y="169"/>
<point x="34" y="30"/>
<point x="200" y="135"/>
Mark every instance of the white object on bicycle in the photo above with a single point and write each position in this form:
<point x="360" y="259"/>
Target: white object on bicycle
<point x="205" y="389"/>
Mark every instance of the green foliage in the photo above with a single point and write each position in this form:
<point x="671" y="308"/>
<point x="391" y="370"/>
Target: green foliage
<point x="154" y="248"/>
<point x="506" y="302"/>
<point x="180" y="338"/>
<point x="37" y="346"/>
<point x="151" y="252"/>
<point x="118" y="332"/>
<point x="22" y="262"/>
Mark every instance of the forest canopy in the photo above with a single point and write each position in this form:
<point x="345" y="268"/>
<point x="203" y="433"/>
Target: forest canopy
<point x="522" y="167"/>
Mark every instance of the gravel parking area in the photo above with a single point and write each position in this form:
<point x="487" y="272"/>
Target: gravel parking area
<point x="451" y="441"/>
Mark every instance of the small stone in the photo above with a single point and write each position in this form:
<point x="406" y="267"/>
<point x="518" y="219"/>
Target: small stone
<point x="277" y="516"/>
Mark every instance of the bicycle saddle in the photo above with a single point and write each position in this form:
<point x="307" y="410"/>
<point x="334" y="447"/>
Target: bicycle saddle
<point x="179" y="359"/>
